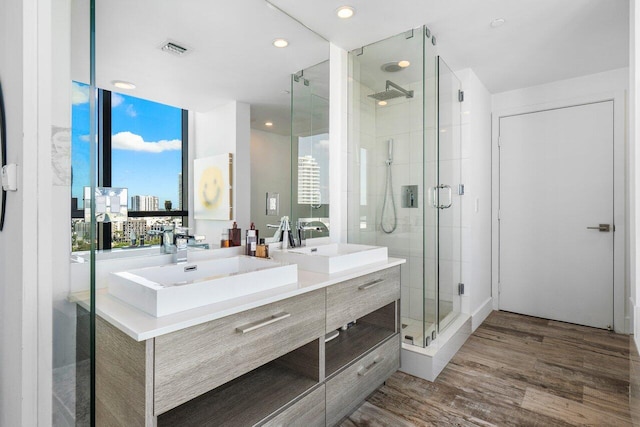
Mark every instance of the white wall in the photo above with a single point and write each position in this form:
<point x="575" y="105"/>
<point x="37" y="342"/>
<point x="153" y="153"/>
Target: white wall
<point x="633" y="161"/>
<point x="633" y="157"/>
<point x="476" y="202"/>
<point x="270" y="172"/>
<point x="25" y="242"/>
<point x="11" y="363"/>
<point x="225" y="129"/>
<point x="338" y="147"/>
<point x="601" y="86"/>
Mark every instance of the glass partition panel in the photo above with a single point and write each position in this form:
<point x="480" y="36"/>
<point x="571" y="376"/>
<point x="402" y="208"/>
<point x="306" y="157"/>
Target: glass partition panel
<point x="73" y="107"/>
<point x="448" y="195"/>
<point x="388" y="165"/>
<point x="310" y="150"/>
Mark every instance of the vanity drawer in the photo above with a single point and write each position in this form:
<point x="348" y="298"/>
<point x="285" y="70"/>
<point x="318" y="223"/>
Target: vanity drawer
<point x="195" y="360"/>
<point x="350" y="387"/>
<point x="352" y="299"/>
<point x="308" y="412"/>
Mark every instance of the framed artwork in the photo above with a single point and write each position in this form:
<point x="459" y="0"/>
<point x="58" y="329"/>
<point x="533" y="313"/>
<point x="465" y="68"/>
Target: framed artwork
<point x="3" y="155"/>
<point x="212" y="180"/>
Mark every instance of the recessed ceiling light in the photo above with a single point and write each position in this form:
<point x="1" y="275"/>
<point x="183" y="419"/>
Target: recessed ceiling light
<point x="268" y="124"/>
<point x="404" y="63"/>
<point x="382" y="103"/>
<point x="497" y="22"/>
<point x="345" y="12"/>
<point x="280" y="43"/>
<point x="123" y="85"/>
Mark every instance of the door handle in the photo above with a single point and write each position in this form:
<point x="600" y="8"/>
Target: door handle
<point x="605" y="228"/>
<point x="436" y="196"/>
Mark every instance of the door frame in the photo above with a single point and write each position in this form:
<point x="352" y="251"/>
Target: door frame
<point x="621" y="317"/>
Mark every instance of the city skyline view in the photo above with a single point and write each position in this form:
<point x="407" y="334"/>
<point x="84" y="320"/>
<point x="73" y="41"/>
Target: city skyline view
<point x="146" y="146"/>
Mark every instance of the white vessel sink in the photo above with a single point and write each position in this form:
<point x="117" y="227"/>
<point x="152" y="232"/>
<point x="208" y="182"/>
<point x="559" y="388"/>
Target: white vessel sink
<point x="172" y="288"/>
<point x="332" y="258"/>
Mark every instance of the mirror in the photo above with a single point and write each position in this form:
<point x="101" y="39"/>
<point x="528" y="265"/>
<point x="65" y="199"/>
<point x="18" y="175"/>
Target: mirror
<point x="234" y="83"/>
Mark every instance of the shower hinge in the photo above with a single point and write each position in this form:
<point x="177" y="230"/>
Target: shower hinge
<point x="460" y="288"/>
<point x="409" y="34"/>
<point x="427" y="32"/>
<point x="358" y="52"/>
<point x="433" y="40"/>
<point x="460" y="189"/>
<point x="460" y="96"/>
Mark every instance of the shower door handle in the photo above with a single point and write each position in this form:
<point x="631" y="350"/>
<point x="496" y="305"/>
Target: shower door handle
<point x="437" y="194"/>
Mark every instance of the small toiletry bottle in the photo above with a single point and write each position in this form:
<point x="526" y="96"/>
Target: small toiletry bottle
<point x="224" y="238"/>
<point x="262" y="250"/>
<point x="235" y="235"/>
<point x="252" y="240"/>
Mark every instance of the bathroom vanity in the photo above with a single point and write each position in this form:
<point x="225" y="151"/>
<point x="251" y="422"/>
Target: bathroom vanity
<point x="260" y="359"/>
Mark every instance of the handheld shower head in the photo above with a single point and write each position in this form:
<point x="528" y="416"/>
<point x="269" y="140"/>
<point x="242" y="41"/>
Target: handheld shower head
<point x="390" y="147"/>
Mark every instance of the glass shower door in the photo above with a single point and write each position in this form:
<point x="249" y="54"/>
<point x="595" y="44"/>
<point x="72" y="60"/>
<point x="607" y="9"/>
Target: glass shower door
<point x="448" y="195"/>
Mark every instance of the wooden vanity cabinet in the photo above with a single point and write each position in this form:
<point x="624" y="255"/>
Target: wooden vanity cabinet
<point x="266" y="366"/>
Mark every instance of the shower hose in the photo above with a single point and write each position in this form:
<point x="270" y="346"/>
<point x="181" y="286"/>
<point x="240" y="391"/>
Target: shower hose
<point x="388" y="192"/>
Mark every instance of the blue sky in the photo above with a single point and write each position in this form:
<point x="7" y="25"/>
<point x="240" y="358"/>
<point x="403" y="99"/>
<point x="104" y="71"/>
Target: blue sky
<point x="146" y="146"/>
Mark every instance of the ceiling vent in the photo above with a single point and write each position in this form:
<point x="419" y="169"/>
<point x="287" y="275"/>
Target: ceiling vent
<point x="174" y="48"/>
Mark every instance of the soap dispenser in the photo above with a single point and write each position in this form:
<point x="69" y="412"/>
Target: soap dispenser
<point x="251" y="240"/>
<point x="235" y="235"/>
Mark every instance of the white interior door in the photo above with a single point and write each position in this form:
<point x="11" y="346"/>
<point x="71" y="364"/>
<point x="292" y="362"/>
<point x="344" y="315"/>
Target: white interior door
<point x="556" y="188"/>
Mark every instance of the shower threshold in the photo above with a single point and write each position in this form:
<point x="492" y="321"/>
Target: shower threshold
<point x="428" y="362"/>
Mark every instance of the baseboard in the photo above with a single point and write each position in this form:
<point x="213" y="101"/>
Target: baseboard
<point x="478" y="316"/>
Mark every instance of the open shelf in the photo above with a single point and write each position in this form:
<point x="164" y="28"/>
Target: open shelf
<point x="365" y="334"/>
<point x="246" y="400"/>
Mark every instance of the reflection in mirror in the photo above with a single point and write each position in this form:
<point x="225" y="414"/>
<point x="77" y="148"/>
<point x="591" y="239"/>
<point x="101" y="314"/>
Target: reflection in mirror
<point x="234" y="87"/>
<point x="310" y="149"/>
<point x="164" y="108"/>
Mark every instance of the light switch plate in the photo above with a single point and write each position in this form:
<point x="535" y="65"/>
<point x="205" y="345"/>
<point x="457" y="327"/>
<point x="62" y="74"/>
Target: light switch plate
<point x="273" y="204"/>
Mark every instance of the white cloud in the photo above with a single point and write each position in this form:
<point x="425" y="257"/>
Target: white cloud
<point x="116" y="100"/>
<point x="131" y="112"/>
<point x="132" y="142"/>
<point x="79" y="94"/>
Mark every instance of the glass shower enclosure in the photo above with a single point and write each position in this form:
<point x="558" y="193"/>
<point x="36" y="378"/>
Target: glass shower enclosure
<point x="404" y="169"/>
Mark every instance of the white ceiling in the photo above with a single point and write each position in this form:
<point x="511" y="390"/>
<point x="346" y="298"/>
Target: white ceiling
<point x="231" y="56"/>
<point x="541" y="41"/>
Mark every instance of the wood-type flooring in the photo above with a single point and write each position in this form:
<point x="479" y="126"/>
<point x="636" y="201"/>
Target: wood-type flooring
<point x="514" y="370"/>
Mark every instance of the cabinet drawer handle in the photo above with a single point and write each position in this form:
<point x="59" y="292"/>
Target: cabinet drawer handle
<point x="370" y="284"/>
<point x="363" y="371"/>
<point x="262" y="323"/>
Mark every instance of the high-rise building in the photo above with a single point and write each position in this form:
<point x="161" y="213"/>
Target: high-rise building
<point x="180" y="191"/>
<point x="144" y="203"/>
<point x="308" y="181"/>
<point x="134" y="228"/>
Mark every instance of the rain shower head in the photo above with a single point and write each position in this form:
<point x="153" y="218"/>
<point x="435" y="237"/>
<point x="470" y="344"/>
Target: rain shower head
<point x="389" y="93"/>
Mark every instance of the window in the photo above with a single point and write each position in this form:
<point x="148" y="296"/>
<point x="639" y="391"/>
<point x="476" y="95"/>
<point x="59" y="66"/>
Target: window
<point x="143" y="147"/>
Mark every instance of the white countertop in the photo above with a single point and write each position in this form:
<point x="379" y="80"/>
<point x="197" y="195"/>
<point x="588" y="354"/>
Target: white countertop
<point x="141" y="326"/>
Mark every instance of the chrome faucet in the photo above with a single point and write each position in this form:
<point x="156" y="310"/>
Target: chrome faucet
<point x="174" y="241"/>
<point x="289" y="238"/>
<point x="180" y="239"/>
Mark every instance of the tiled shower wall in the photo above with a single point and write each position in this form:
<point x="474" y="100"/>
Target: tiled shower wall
<point x="371" y="126"/>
